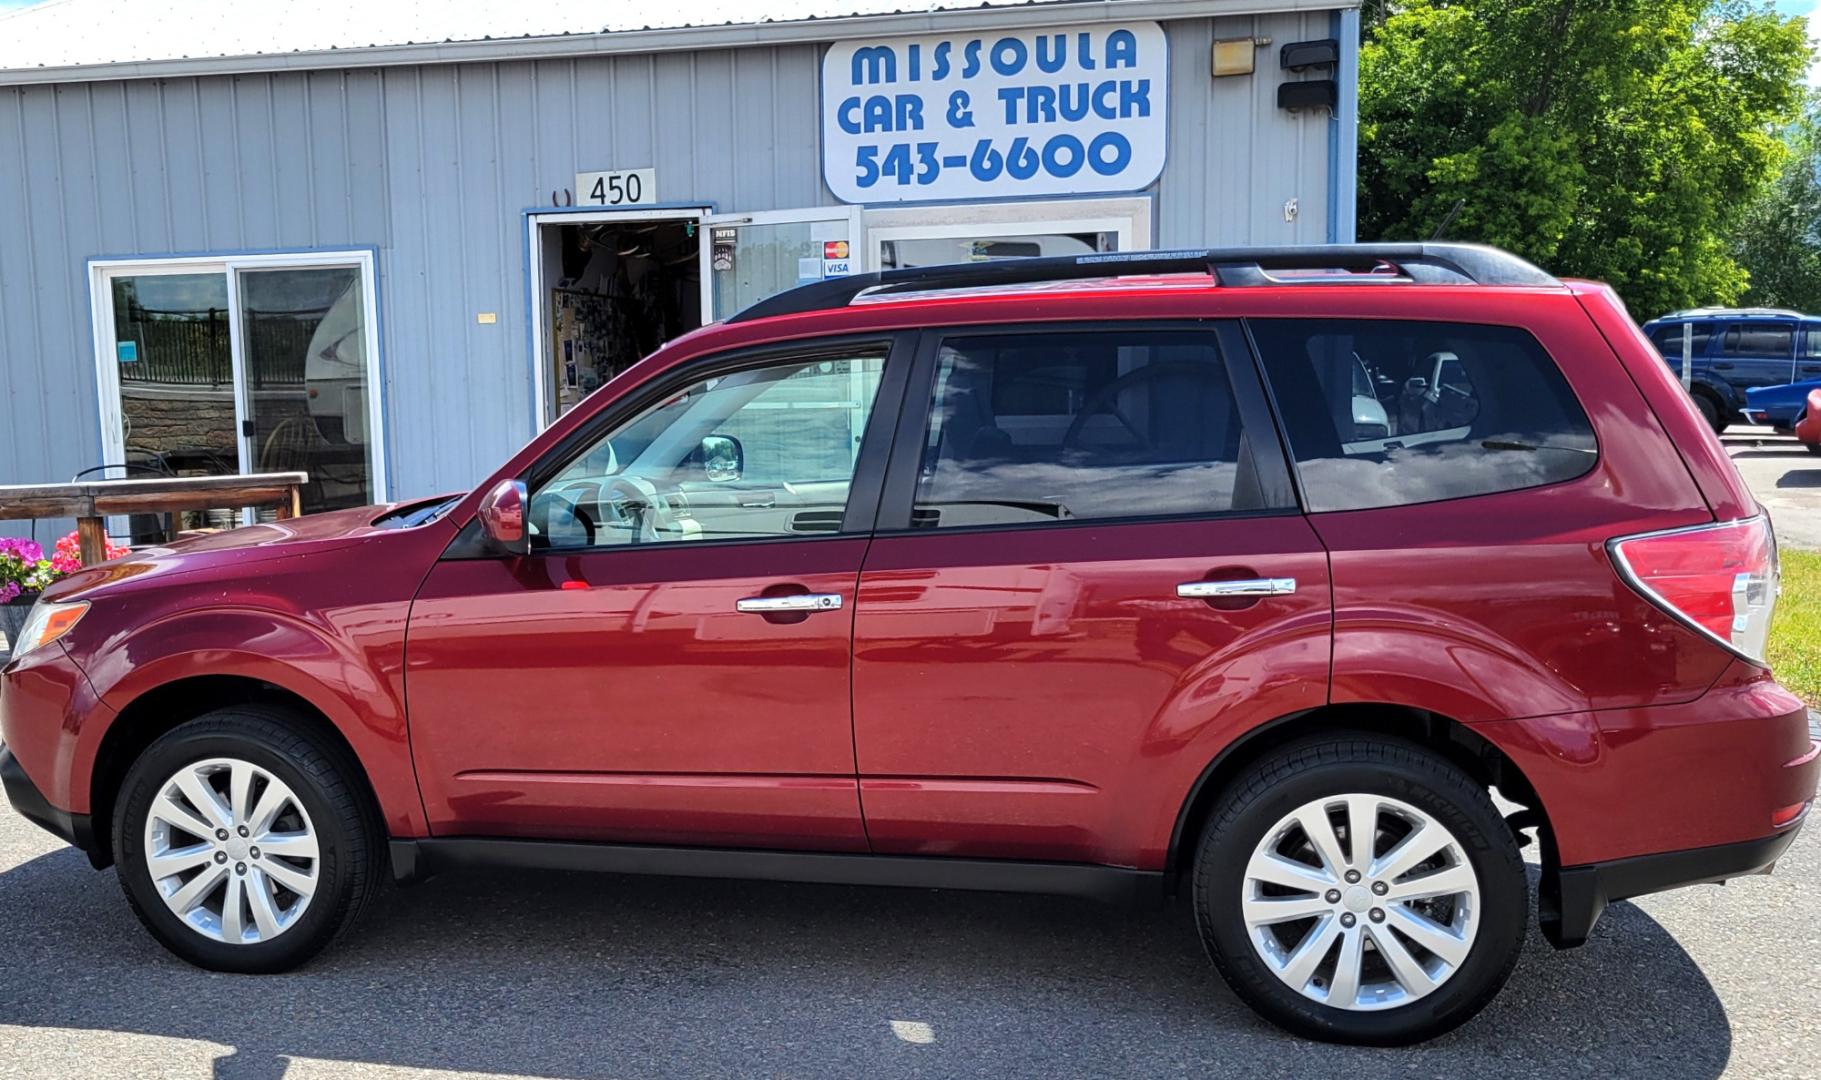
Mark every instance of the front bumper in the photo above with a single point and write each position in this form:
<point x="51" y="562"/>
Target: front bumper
<point x="71" y="828"/>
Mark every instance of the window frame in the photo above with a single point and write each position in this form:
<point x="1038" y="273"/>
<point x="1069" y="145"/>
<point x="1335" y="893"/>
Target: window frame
<point x="1275" y="476"/>
<point x="869" y="464"/>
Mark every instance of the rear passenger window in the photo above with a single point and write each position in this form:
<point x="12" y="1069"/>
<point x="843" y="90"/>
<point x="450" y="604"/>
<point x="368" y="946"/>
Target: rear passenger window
<point x="1039" y="428"/>
<point x="1759" y="341"/>
<point x="1445" y="410"/>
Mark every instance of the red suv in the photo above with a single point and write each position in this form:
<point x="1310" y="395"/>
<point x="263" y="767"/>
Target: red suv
<point x="1249" y="575"/>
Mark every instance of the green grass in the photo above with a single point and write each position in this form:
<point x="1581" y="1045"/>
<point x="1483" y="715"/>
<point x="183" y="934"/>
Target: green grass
<point x="1795" y="635"/>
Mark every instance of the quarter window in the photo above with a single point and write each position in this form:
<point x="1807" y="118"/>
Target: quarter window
<point x="1668" y="339"/>
<point x="1445" y="410"/>
<point x="762" y="453"/>
<point x="1040" y="428"/>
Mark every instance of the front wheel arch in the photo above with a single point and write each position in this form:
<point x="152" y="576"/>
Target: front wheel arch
<point x="166" y="706"/>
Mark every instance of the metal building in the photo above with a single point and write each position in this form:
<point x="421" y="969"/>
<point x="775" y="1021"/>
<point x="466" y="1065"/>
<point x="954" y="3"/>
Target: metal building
<point x="338" y="241"/>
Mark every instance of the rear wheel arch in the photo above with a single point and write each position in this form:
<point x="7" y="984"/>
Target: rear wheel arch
<point x="164" y="707"/>
<point x="1458" y="743"/>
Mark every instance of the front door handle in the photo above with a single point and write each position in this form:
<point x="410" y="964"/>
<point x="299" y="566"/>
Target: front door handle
<point x="1218" y="590"/>
<point x="797" y="602"/>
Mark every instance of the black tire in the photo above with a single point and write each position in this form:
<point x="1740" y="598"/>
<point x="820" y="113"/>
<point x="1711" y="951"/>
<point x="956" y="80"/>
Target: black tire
<point x="1336" y="764"/>
<point x="329" y="785"/>
<point x="1710" y="411"/>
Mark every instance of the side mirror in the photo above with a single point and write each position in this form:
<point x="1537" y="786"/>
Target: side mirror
<point x="723" y="458"/>
<point x="1416" y="386"/>
<point x="502" y="517"/>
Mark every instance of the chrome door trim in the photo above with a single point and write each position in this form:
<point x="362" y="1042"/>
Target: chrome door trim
<point x="767" y="605"/>
<point x="1216" y="590"/>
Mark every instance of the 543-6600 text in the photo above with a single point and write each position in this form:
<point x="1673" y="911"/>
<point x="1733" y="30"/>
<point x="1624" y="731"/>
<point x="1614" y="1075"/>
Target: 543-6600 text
<point x="1061" y="155"/>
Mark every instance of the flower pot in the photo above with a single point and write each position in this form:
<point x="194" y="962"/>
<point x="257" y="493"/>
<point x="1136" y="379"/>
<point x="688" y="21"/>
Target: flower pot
<point x="12" y="619"/>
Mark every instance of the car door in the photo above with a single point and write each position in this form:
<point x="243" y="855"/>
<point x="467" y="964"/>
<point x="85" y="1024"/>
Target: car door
<point x="1808" y="360"/>
<point x="1089" y="574"/>
<point x="1757" y="353"/>
<point x="670" y="663"/>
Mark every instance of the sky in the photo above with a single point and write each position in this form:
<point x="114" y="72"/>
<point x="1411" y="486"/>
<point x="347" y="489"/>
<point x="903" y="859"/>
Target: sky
<point x="1809" y="8"/>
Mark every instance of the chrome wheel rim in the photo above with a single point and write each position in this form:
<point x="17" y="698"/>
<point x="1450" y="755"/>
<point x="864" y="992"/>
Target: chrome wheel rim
<point x="1361" y="902"/>
<point x="231" y="851"/>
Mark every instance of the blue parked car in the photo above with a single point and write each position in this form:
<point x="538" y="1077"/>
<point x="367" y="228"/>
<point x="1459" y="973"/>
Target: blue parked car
<point x="1736" y="349"/>
<point x="1778" y="406"/>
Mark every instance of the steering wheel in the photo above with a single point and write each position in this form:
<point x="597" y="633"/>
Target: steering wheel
<point x="1107" y="397"/>
<point x="555" y="513"/>
<point x="636" y="501"/>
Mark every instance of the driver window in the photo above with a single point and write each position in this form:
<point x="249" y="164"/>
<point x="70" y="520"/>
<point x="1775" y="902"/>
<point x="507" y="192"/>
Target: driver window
<point x="1035" y="428"/>
<point x="757" y="454"/>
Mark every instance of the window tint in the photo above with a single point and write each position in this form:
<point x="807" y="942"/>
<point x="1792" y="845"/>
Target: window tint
<point x="1668" y="339"/>
<point x="1771" y="340"/>
<point x="1813" y="352"/>
<point x="1036" y="428"/>
<point x="1455" y="410"/>
<point x="766" y="452"/>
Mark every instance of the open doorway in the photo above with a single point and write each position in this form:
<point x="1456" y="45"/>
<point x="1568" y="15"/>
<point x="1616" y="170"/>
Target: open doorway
<point x="611" y="289"/>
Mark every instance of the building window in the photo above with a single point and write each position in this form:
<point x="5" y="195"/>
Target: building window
<point x="244" y="364"/>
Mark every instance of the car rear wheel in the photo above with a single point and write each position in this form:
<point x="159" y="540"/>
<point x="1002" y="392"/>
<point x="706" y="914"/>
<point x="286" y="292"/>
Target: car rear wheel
<point x="244" y="842"/>
<point x="1711" y="412"/>
<point x="1363" y="890"/>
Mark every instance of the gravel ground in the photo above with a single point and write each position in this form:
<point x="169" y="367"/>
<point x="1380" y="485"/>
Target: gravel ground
<point x="554" y="975"/>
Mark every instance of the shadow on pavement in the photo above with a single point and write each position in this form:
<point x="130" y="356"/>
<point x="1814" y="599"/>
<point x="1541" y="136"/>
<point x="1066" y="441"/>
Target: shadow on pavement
<point x="570" y="976"/>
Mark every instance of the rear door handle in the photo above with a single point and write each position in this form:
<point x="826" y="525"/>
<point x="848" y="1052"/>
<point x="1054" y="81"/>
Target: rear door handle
<point x="771" y="605"/>
<point x="1215" y="590"/>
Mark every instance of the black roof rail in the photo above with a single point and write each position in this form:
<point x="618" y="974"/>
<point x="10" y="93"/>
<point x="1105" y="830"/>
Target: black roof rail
<point x="1454" y="264"/>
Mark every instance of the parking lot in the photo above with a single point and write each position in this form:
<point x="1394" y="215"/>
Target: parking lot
<point x="570" y="976"/>
<point x="1785" y="477"/>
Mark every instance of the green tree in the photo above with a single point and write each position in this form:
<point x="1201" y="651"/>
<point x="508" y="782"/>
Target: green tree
<point x="1779" y="239"/>
<point x="1616" y="139"/>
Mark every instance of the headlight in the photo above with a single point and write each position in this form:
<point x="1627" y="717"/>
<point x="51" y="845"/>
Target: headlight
<point x="47" y="623"/>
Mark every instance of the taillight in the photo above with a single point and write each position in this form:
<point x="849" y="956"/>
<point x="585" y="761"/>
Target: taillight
<point x="1718" y="579"/>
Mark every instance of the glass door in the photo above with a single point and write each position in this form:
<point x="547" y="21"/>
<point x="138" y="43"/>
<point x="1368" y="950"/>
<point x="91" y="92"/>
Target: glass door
<point x="259" y="363"/>
<point x="304" y="341"/>
<point x="749" y="257"/>
<point x="173" y="361"/>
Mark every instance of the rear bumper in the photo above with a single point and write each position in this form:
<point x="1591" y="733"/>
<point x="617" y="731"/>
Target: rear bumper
<point x="71" y="828"/>
<point x="1573" y="897"/>
<point x="1579" y="894"/>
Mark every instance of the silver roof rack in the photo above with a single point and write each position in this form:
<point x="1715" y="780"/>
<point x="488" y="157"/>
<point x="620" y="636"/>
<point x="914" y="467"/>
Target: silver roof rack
<point x="1318" y="264"/>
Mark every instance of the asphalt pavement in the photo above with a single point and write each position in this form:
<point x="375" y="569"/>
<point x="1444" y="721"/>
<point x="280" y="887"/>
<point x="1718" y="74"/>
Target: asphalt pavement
<point x="1785" y="477"/>
<point x="556" y="975"/>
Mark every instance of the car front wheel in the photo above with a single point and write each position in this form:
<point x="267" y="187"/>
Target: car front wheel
<point x="1361" y="889"/>
<point x="243" y="841"/>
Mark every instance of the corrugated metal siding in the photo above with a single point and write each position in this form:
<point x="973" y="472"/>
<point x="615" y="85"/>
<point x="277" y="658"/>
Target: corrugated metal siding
<point x="433" y="166"/>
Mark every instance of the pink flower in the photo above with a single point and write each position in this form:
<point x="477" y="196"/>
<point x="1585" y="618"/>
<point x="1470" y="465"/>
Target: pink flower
<point x="68" y="557"/>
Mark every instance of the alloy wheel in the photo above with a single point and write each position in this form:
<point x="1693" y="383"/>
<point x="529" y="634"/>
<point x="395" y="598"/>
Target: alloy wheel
<point x="232" y="851"/>
<point x="1361" y="902"/>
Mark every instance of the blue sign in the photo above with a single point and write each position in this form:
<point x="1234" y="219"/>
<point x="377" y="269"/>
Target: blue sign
<point x="995" y="115"/>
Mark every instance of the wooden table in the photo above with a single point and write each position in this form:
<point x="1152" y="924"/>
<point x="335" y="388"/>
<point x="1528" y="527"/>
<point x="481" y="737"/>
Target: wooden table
<point x="91" y="501"/>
